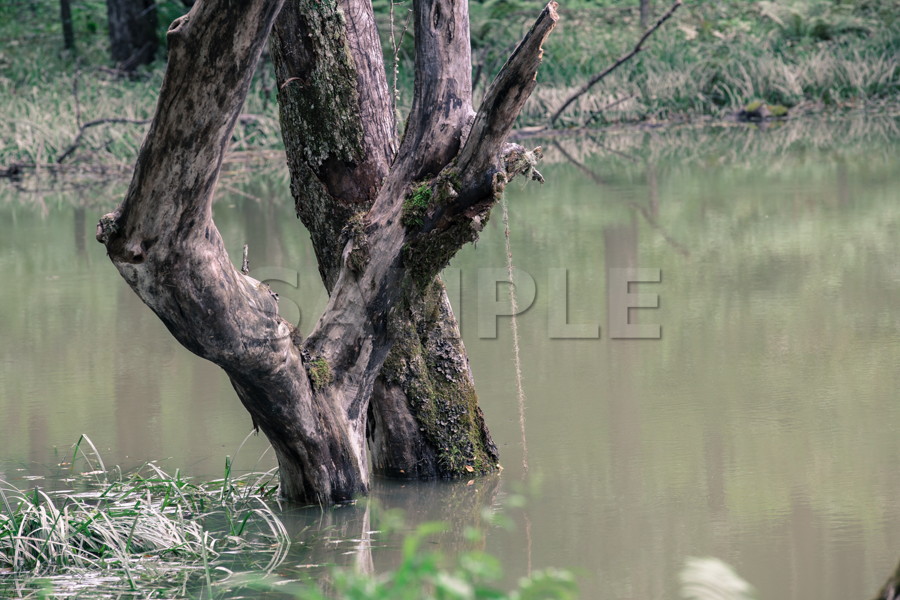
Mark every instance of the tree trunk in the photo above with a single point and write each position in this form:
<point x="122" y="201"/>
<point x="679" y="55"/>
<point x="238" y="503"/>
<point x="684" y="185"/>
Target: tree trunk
<point x="65" y="12"/>
<point x="132" y="32"/>
<point x="338" y="154"/>
<point x="383" y="227"/>
<point x="646" y="9"/>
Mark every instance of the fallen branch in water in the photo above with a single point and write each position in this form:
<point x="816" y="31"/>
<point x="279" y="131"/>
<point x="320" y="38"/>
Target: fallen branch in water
<point x="18" y="171"/>
<point x="622" y="60"/>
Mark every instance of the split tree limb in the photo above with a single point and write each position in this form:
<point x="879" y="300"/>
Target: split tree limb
<point x="442" y="98"/>
<point x="621" y="60"/>
<point x="166" y="246"/>
<point x="503" y="102"/>
<point x="311" y="396"/>
<point x="472" y="185"/>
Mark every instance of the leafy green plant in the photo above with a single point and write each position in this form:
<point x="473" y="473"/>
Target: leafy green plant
<point x="415" y="205"/>
<point x="320" y="373"/>
<point x="429" y="575"/>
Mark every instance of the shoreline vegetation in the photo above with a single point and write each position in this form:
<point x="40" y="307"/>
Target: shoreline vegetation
<point x="712" y="61"/>
<point x="147" y="533"/>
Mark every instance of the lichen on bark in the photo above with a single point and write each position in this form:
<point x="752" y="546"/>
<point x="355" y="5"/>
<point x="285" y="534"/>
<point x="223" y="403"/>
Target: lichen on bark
<point x="427" y="364"/>
<point x="355" y="231"/>
<point x="330" y="130"/>
<point x="320" y="121"/>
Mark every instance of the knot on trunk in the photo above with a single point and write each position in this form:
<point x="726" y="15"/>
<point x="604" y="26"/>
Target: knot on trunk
<point x="519" y="161"/>
<point x="108" y="227"/>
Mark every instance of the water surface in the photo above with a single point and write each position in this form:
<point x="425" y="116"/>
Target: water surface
<point x="759" y="429"/>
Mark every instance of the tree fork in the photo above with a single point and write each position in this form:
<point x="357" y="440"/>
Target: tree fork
<point x="338" y="154"/>
<point x="311" y="396"/>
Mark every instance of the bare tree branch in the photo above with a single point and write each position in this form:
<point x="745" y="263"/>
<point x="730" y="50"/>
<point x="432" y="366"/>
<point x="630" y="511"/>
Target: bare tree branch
<point x="505" y="99"/>
<point x="595" y="113"/>
<point x="77" y="141"/>
<point x="442" y="100"/>
<point x="621" y="60"/>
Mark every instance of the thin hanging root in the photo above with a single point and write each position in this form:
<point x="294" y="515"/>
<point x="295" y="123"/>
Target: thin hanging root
<point x="514" y="325"/>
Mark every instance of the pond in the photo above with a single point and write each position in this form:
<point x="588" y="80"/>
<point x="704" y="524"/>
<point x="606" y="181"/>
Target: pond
<point x="757" y="427"/>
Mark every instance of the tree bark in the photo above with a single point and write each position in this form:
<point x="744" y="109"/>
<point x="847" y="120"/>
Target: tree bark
<point x="311" y="397"/>
<point x="338" y="154"/>
<point x="646" y="9"/>
<point x="65" y="12"/>
<point x="132" y="32"/>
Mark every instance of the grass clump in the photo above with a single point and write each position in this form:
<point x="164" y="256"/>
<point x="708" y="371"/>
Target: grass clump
<point x="138" y="528"/>
<point x="415" y="205"/>
<point x="320" y="374"/>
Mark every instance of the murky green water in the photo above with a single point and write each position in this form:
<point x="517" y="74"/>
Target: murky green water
<point x="760" y="429"/>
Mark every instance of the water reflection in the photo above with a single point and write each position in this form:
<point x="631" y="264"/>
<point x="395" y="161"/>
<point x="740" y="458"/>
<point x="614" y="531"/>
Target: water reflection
<point x="758" y="430"/>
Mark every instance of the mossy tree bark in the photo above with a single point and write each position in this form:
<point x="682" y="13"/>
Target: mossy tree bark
<point x="338" y="126"/>
<point x="384" y="367"/>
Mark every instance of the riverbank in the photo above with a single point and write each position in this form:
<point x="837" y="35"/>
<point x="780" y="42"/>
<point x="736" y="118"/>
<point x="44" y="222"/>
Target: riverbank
<point x="706" y="64"/>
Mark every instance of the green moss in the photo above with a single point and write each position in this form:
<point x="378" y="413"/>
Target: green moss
<point x="415" y="205"/>
<point x="434" y="378"/>
<point x="320" y="374"/>
<point x="778" y="110"/>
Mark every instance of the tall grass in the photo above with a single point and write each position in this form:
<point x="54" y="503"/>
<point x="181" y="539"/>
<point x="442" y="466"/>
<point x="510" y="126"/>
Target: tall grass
<point x="152" y="534"/>
<point x="47" y="94"/>
<point x="711" y="59"/>
<point x="137" y="529"/>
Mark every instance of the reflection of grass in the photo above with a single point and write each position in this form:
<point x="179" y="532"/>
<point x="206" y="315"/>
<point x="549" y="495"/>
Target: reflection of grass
<point x="623" y="154"/>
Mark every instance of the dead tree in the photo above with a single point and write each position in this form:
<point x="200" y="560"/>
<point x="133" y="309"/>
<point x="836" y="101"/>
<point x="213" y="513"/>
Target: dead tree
<point x="383" y="367"/>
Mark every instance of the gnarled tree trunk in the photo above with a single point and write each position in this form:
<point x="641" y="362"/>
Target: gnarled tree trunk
<point x="424" y="419"/>
<point x="384" y="362"/>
